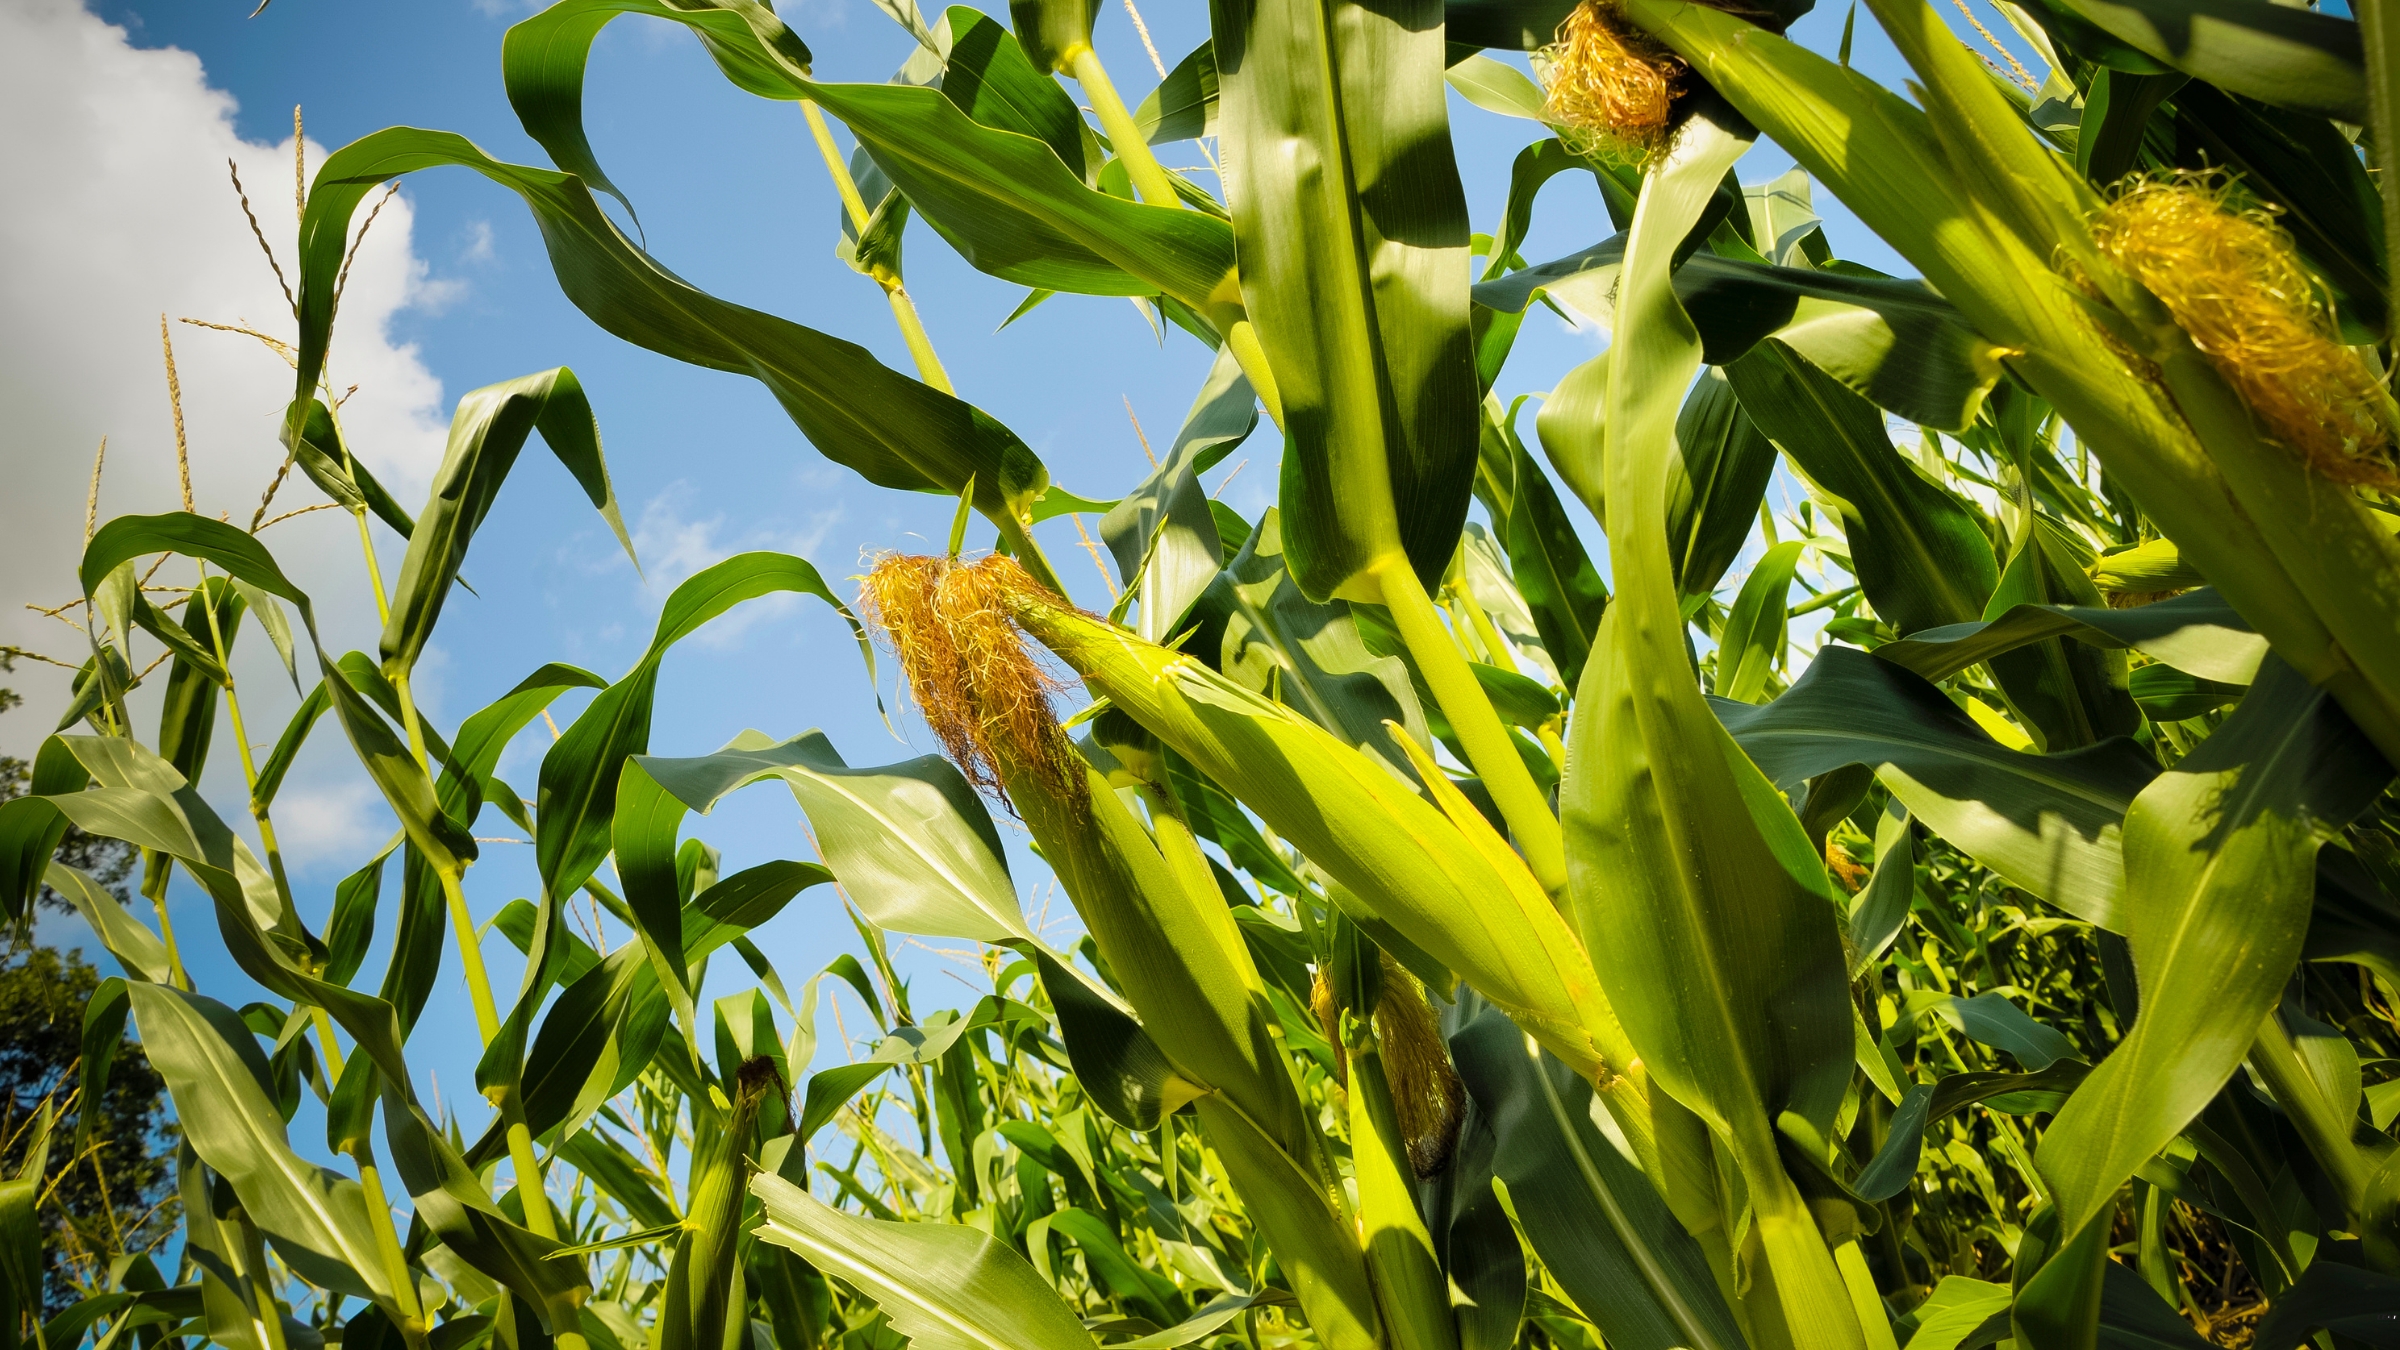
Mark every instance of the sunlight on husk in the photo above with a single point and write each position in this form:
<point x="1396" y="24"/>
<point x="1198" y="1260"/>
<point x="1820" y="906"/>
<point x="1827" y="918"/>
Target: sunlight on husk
<point x="2230" y="276"/>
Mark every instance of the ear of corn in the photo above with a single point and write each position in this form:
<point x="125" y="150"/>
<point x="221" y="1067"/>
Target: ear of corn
<point x="701" y="1278"/>
<point x="1452" y="888"/>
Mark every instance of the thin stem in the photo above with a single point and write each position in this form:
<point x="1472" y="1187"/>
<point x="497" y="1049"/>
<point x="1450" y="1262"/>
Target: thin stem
<point x="1496" y="650"/>
<point x="166" y="925"/>
<point x="1824" y="601"/>
<point x="835" y="164"/>
<point x="912" y="331"/>
<point x="1491" y="751"/>
<point x="1028" y="551"/>
<point x="479" y="990"/>
<point x="333" y="1051"/>
<point x="241" y="741"/>
<point x="1151" y="182"/>
<point x="269" y="1314"/>
<point x="387" y="1244"/>
<point x="904" y="309"/>
<point x="366" y="545"/>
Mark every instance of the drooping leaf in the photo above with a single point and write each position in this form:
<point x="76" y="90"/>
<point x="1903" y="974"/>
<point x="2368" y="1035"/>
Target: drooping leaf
<point x="1891" y="341"/>
<point x="215" y="1072"/>
<point x="1162" y="534"/>
<point x="2220" y="860"/>
<point x="2298" y="59"/>
<point x="2195" y="632"/>
<point x="913" y="844"/>
<point x="945" y="1287"/>
<point x="1921" y="559"/>
<point x="2048" y="823"/>
<point x="1595" y="1220"/>
<point x="891" y="429"/>
<point x="1261" y="630"/>
<point x="486" y="433"/>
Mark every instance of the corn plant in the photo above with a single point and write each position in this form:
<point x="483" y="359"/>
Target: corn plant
<point x="1994" y="943"/>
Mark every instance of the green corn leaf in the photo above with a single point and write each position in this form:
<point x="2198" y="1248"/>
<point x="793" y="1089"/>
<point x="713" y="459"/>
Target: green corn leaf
<point x="995" y="81"/>
<point x="1597" y="1223"/>
<point x="609" y="1166"/>
<point x="2220" y="853"/>
<point x="1257" y="626"/>
<point x="1004" y="199"/>
<point x="20" y="1250"/>
<point x="945" y="1287"/>
<point x="486" y="433"/>
<point x="1754" y="634"/>
<point x="2347" y="1300"/>
<point x="403" y="782"/>
<point x="1473" y="1234"/>
<point x="1051" y="29"/>
<point x="287" y="748"/>
<point x="1184" y="105"/>
<point x="2196" y="632"/>
<point x="1836" y="122"/>
<point x="2048" y="823"/>
<point x="128" y="939"/>
<point x="467" y="781"/>
<point x="893" y="430"/>
<point x="2295" y="58"/>
<point x="1162" y="534"/>
<point x="103" y="1033"/>
<point x="1724" y="961"/>
<point x="1727" y="463"/>
<point x="1129" y="1078"/>
<point x="1888" y="340"/>
<point x="1553" y="573"/>
<point x="213" y="1068"/>
<point x="31" y="829"/>
<point x="2066" y="694"/>
<point x="452" y="1203"/>
<point x="1513" y="25"/>
<point x="542" y="62"/>
<point x="1495" y="87"/>
<point x="316" y="445"/>
<point x="1354" y="253"/>
<point x="579" y="775"/>
<point x="188" y="714"/>
<point x="1921" y="559"/>
<point x="913" y="844"/>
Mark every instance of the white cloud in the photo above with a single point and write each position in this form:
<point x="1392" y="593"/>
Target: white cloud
<point x="478" y="246"/>
<point x="341" y="825"/>
<point x="119" y="210"/>
<point x="674" y="544"/>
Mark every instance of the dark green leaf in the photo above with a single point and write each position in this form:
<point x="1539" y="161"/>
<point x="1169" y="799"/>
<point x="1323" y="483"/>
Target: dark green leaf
<point x="1354" y="254"/>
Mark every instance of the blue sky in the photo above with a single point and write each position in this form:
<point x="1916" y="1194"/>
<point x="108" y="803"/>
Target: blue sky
<point x="734" y="198"/>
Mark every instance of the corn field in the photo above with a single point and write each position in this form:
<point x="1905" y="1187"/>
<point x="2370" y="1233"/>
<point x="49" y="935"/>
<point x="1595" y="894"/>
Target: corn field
<point x="1960" y="909"/>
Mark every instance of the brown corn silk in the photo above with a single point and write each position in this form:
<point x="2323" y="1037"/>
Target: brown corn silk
<point x="1426" y="1094"/>
<point x="2232" y="281"/>
<point x="1610" y="84"/>
<point x="983" y="694"/>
